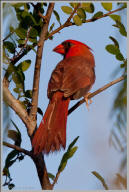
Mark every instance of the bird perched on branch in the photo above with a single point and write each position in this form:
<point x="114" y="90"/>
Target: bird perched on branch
<point x="72" y="78"/>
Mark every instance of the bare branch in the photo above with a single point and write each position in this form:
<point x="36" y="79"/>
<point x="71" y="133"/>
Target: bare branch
<point x="35" y="91"/>
<point x="96" y="93"/>
<point x="26" y="152"/>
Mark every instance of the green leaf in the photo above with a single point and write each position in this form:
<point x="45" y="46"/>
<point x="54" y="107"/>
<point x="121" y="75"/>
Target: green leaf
<point x="98" y="14"/>
<point x="51" y="27"/>
<point x="9" y="46"/>
<point x="112" y="49"/>
<point x="40" y="111"/>
<point x="66" y="9"/>
<point x="120" y="57"/>
<point x="57" y="16"/>
<point x="11" y="155"/>
<point x="11" y="186"/>
<point x="101" y="179"/>
<point x="69" y="153"/>
<point x="73" y="4"/>
<point x="16" y="90"/>
<point x="107" y="6"/>
<point x="88" y="7"/>
<point x="81" y="14"/>
<point x="28" y="94"/>
<point x="114" y="41"/>
<point x="73" y="143"/>
<point x="77" y="20"/>
<point x="115" y="17"/>
<point x="24" y="65"/>
<point x="33" y="33"/>
<point x="50" y="175"/>
<point x="16" y="127"/>
<point x="17" y="5"/>
<point x="20" y="32"/>
<point x="122" y="29"/>
<point x="21" y="41"/>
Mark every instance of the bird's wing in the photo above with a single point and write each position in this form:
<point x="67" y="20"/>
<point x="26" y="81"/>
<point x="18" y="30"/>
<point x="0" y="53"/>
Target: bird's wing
<point x="72" y="75"/>
<point x="78" y="77"/>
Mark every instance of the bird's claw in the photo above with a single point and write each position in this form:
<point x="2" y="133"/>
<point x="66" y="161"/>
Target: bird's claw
<point x="87" y="100"/>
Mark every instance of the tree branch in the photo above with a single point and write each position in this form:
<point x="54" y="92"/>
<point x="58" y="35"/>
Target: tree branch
<point x="26" y="152"/>
<point x="95" y="93"/>
<point x="16" y="106"/>
<point x="35" y="91"/>
<point x="87" y="21"/>
<point x="28" y="48"/>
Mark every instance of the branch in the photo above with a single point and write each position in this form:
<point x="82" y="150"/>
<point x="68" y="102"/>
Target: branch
<point x="16" y="106"/>
<point x="95" y="93"/>
<point x="87" y="21"/>
<point x="26" y="152"/>
<point x="56" y="178"/>
<point x="36" y="79"/>
<point x="28" y="48"/>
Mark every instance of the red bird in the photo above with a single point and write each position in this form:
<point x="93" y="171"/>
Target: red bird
<point x="72" y="78"/>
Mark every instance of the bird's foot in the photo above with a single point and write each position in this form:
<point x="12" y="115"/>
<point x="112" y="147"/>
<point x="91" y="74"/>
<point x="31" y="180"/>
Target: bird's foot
<point x="87" y="100"/>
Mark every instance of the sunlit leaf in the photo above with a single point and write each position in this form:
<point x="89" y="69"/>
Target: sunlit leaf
<point x="69" y="153"/>
<point x="88" y="7"/>
<point x="73" y="143"/>
<point x="24" y="65"/>
<point x="22" y="33"/>
<point x="77" y="20"/>
<point x="115" y="17"/>
<point x="66" y="9"/>
<point x="81" y="14"/>
<point x="73" y="4"/>
<point x="107" y="6"/>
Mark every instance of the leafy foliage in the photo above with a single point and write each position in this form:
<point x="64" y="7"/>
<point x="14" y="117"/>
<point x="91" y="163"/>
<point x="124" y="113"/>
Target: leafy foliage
<point x="13" y="156"/>
<point x="24" y="38"/>
<point x="69" y="153"/>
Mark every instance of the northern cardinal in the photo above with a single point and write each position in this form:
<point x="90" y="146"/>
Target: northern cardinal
<point x="72" y="78"/>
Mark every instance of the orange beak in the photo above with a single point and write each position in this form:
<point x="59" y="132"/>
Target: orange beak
<point x="59" y="49"/>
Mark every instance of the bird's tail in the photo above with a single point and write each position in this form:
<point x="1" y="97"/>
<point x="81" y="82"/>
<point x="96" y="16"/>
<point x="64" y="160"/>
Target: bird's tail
<point x="51" y="134"/>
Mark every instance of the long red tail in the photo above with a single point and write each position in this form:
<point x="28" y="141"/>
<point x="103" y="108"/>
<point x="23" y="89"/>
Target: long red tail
<point x="51" y="134"/>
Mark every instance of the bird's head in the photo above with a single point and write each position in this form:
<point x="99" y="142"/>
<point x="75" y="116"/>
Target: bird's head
<point x="72" y="48"/>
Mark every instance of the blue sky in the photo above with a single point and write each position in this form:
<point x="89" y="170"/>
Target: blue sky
<point x="94" y="152"/>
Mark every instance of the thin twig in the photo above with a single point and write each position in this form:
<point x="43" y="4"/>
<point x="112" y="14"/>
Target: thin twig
<point x="36" y="79"/>
<point x="95" y="93"/>
<point x="28" y="48"/>
<point x="56" y="178"/>
<point x="87" y="21"/>
<point x="26" y="152"/>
